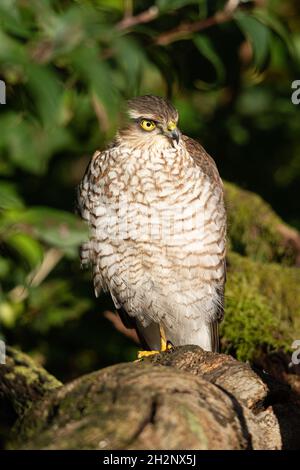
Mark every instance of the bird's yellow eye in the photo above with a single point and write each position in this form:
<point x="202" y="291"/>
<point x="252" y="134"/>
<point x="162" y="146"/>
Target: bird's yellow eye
<point x="147" y="125"/>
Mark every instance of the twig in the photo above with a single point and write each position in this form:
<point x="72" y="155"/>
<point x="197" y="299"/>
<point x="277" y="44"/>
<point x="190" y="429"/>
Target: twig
<point x="187" y="28"/>
<point x="143" y="17"/>
<point x="183" y="29"/>
<point x="128" y="8"/>
<point x="100" y="113"/>
<point x="35" y="278"/>
<point x="117" y="323"/>
<point x="51" y="259"/>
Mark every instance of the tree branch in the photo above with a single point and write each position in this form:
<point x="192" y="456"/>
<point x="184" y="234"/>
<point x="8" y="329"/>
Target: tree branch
<point x="117" y="323"/>
<point x="184" y="398"/>
<point x="187" y="28"/>
<point x="144" y="17"/>
<point x="23" y="382"/>
<point x="36" y="277"/>
<point x="183" y="29"/>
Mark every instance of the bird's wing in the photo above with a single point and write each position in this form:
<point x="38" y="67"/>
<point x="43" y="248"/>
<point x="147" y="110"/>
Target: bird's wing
<point x="209" y="168"/>
<point x="84" y="205"/>
<point x="203" y="160"/>
<point x="83" y="190"/>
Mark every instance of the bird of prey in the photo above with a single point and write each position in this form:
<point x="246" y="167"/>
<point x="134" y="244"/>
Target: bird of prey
<point x="153" y="200"/>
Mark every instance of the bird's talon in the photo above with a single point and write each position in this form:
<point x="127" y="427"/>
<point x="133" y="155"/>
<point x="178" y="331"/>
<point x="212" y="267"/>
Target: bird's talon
<point x="142" y="354"/>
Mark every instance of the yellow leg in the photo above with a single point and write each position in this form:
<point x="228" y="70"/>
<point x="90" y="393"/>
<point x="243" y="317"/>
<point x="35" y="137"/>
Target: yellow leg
<point x="164" y="345"/>
<point x="142" y="354"/>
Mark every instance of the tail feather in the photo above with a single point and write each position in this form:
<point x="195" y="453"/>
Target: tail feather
<point x="214" y="333"/>
<point x="206" y="336"/>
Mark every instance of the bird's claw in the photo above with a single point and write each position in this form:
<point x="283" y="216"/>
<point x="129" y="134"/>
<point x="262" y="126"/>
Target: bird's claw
<point x="142" y="354"/>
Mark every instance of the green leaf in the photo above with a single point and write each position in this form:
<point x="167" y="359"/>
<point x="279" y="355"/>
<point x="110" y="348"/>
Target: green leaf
<point x="165" y="5"/>
<point x="28" y="145"/>
<point x="8" y="314"/>
<point x="258" y="34"/>
<point x="206" y="47"/>
<point x="11" y="21"/>
<point x="64" y="305"/>
<point x="274" y="23"/>
<point x="5" y="266"/>
<point x="11" y="51"/>
<point x="132" y="62"/>
<point x="105" y="4"/>
<point x="9" y="197"/>
<point x="18" y="142"/>
<point x="27" y="248"/>
<point x="58" y="228"/>
<point x="97" y="75"/>
<point x="46" y="91"/>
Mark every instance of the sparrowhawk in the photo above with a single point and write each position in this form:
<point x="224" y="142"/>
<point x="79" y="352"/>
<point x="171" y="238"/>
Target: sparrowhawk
<point x="153" y="200"/>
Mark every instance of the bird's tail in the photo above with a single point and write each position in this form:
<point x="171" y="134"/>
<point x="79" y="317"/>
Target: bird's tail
<point x="207" y="336"/>
<point x="214" y="334"/>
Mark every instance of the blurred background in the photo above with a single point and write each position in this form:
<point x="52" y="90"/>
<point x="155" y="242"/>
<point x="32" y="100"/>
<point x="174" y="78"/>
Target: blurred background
<point x="69" y="66"/>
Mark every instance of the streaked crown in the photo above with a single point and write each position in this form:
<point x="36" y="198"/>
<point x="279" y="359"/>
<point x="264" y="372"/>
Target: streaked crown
<point x="154" y="108"/>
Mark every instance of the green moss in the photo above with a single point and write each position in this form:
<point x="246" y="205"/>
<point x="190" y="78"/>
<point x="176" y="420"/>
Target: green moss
<point x="28" y="374"/>
<point x="23" y="382"/>
<point x="262" y="307"/>
<point x="24" y="367"/>
<point x="262" y="298"/>
<point x="253" y="227"/>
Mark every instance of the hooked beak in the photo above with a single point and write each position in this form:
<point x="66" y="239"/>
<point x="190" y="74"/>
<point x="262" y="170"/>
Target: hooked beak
<point x="173" y="131"/>
<point x="175" y="135"/>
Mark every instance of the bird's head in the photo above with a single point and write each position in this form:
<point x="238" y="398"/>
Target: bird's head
<point x="153" y="119"/>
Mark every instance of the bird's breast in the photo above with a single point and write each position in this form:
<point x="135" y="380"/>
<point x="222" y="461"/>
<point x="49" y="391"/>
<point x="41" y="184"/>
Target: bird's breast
<point x="157" y="220"/>
<point x="149" y="176"/>
<point x="156" y="198"/>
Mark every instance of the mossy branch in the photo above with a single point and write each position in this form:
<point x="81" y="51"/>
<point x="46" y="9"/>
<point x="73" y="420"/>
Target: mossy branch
<point x="255" y="230"/>
<point x="184" y="398"/>
<point x="23" y="382"/>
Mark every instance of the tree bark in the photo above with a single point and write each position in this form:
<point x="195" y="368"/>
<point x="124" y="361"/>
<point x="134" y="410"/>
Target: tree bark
<point x="22" y="383"/>
<point x="185" y="398"/>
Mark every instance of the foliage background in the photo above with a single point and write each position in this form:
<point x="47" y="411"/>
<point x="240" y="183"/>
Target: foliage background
<point x="69" y="66"/>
